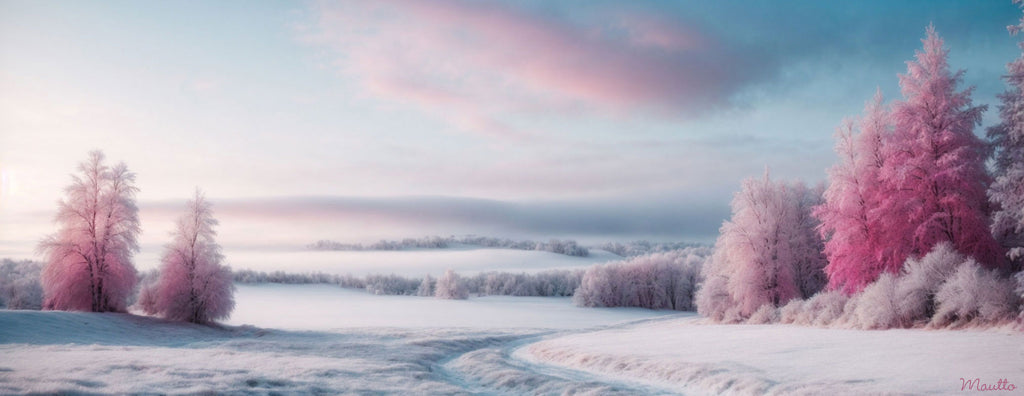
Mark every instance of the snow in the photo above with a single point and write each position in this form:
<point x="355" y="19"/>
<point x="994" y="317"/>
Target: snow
<point x="688" y="354"/>
<point x="119" y="353"/>
<point x="325" y="340"/>
<point x="322" y="339"/>
<point x="327" y="307"/>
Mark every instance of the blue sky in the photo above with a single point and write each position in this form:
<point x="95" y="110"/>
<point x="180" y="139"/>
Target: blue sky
<point x="362" y="120"/>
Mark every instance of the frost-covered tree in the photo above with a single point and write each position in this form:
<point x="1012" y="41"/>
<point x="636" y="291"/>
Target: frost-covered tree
<point x="450" y="287"/>
<point x="19" y="285"/>
<point x="1007" y="191"/>
<point x="935" y="166"/>
<point x="849" y="222"/>
<point x="194" y="285"/>
<point x="806" y="243"/>
<point x="426" y="288"/>
<point x="768" y="252"/>
<point x="89" y="260"/>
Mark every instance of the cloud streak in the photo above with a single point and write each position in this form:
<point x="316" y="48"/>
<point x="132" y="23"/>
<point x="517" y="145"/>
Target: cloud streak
<point x="489" y="60"/>
<point x="680" y="219"/>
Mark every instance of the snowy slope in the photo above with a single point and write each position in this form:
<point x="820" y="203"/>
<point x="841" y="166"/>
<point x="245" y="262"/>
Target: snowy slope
<point x="697" y="358"/>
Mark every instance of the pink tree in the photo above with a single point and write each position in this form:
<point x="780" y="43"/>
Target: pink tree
<point x="767" y="252"/>
<point x="935" y="169"/>
<point x="194" y="286"/>
<point x="89" y="259"/>
<point x="1007" y="191"/>
<point x="849" y="222"/>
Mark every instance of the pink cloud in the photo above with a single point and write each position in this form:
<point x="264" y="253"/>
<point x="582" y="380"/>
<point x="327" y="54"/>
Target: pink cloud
<point x="491" y="60"/>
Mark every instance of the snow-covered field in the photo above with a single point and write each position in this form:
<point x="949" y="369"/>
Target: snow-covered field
<point x="310" y="339"/>
<point x="326" y="340"/>
<point x="327" y="307"/>
<point x="694" y="357"/>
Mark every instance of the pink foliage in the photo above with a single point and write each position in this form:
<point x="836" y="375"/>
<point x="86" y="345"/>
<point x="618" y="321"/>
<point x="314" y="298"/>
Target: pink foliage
<point x="935" y="166"/>
<point x="89" y="260"/>
<point x="768" y="253"/>
<point x="194" y="286"/>
<point x="849" y="223"/>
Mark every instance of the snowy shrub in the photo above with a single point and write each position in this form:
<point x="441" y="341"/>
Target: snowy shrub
<point x="974" y="294"/>
<point x="657" y="281"/>
<point x="450" y="287"/>
<point x="767" y="314"/>
<point x="194" y="286"/>
<point x="792" y="312"/>
<point x="19" y="285"/>
<point x="875" y="307"/>
<point x="920" y="281"/>
<point x="426" y="288"/>
<point x="824" y="309"/>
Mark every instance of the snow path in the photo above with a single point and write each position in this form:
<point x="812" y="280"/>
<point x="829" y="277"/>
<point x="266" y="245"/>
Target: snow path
<point x="688" y="355"/>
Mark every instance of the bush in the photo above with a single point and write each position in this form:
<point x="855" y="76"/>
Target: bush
<point x="656" y="281"/>
<point x="875" y="307"/>
<point x="973" y="294"/>
<point x="765" y="315"/>
<point x="921" y="280"/>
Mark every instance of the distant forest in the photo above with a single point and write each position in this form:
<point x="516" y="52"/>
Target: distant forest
<point x="567" y="247"/>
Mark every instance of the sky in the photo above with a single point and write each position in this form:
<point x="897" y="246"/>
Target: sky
<point x="355" y="121"/>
